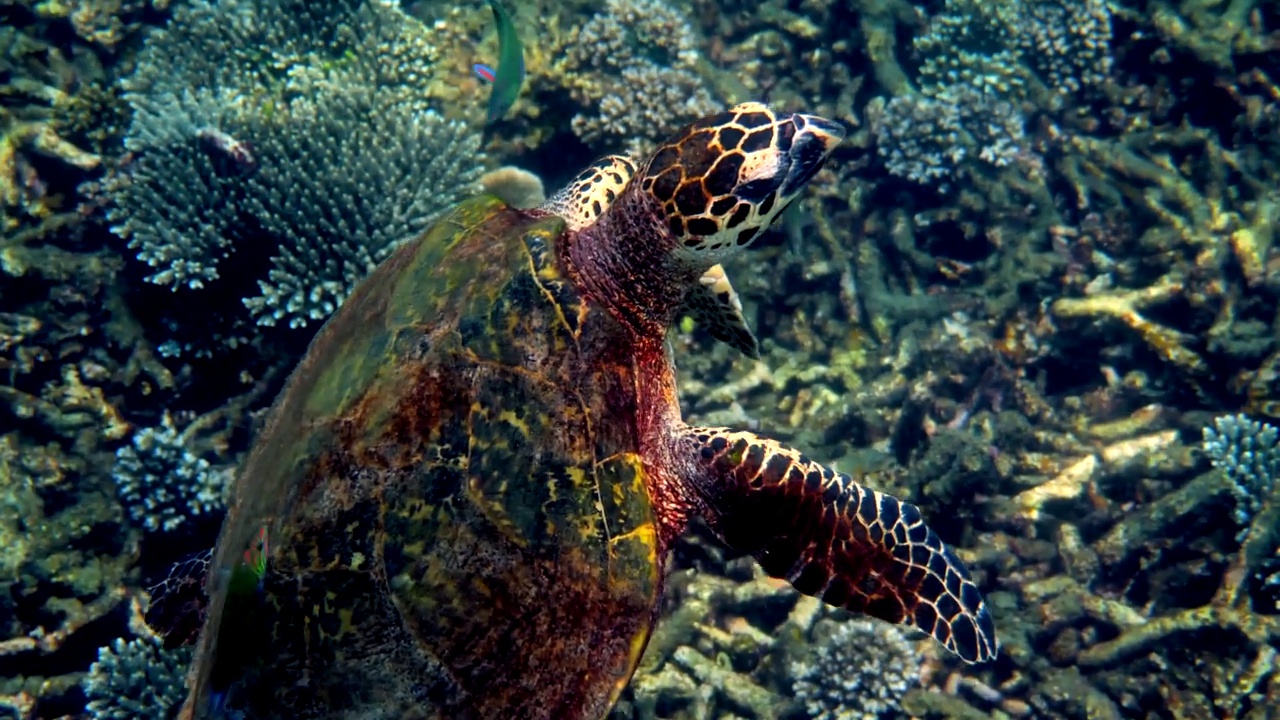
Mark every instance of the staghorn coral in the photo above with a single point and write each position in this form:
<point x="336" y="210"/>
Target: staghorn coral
<point x="102" y="22"/>
<point x="633" y="70"/>
<point x="162" y="483"/>
<point x="858" y="670"/>
<point x="136" y="680"/>
<point x="320" y="153"/>
<point x="63" y="567"/>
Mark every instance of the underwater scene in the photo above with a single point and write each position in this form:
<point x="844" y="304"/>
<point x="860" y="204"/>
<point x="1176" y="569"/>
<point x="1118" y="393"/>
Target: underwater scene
<point x="640" y="359"/>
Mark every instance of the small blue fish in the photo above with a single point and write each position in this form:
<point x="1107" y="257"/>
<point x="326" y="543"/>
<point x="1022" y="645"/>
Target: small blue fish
<point x="509" y="76"/>
<point x="484" y="72"/>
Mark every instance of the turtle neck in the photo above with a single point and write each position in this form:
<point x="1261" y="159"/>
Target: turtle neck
<point x="626" y="261"/>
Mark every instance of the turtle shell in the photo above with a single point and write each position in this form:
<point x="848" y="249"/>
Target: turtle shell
<point x="456" y="529"/>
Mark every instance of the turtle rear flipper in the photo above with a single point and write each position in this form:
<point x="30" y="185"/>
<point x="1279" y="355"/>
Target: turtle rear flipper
<point x="179" y="603"/>
<point x="834" y="539"/>
<point x="715" y="307"/>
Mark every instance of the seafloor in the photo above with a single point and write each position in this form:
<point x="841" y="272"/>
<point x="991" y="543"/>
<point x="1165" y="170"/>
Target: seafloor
<point x="1035" y="293"/>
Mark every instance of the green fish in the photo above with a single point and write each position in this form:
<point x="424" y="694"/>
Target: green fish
<point x="509" y="76"/>
<point x="242" y="622"/>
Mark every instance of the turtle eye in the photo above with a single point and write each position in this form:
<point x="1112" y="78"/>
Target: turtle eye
<point x="807" y="155"/>
<point x="757" y="190"/>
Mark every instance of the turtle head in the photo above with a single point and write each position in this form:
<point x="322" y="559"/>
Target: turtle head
<point x="725" y="178"/>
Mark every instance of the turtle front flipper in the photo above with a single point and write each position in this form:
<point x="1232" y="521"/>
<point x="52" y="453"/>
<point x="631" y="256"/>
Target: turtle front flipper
<point x="714" y="306"/>
<point x="831" y="538"/>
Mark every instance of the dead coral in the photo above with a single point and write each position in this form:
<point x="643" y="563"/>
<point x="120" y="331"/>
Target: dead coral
<point x="42" y="78"/>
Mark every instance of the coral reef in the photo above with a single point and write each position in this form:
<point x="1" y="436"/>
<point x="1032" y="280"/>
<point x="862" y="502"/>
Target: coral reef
<point x="633" y="68"/>
<point x="928" y="139"/>
<point x="70" y="357"/>
<point x="105" y="23"/>
<point x="160" y="481"/>
<point x="713" y="649"/>
<point x="1033" y="295"/>
<point x="42" y="82"/>
<point x="136" y="680"/>
<point x="321" y="155"/>
<point x="1067" y="44"/>
<point x="1246" y="453"/>
<point x="859" y="670"/>
<point x="980" y="61"/>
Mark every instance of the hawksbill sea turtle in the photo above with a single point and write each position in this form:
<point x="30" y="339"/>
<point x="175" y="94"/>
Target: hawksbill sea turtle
<point x="461" y="503"/>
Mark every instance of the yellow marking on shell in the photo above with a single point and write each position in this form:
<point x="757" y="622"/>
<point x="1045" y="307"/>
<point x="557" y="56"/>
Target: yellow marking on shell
<point x="643" y="539"/>
<point x="345" y="621"/>
<point x="647" y="534"/>
<point x="581" y="479"/>
<point x="549" y="273"/>
<point x="509" y="417"/>
<point x="539" y="278"/>
<point x="637" y="547"/>
<point x="475" y="490"/>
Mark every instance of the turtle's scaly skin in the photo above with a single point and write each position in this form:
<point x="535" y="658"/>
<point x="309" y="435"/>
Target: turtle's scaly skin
<point x="471" y="480"/>
<point x="713" y="301"/>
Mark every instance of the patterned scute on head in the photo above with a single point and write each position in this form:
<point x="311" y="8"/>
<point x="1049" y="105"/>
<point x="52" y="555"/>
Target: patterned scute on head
<point x="725" y="178"/>
<point x="591" y="192"/>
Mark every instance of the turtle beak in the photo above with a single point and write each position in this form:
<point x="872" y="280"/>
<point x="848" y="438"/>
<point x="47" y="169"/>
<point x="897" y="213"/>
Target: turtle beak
<point x="814" y="140"/>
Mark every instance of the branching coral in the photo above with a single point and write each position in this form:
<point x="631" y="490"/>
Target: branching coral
<point x="971" y="44"/>
<point x="104" y="22"/>
<point x="1067" y="43"/>
<point x="1213" y="31"/>
<point x="337" y="220"/>
<point x="999" y="47"/>
<point x="633" y="69"/>
<point x="980" y="61"/>
<point x="1231" y="612"/>
<point x="1141" y="598"/>
<point x="929" y="139"/>
<point x="136" y="680"/>
<point x="162" y="483"/>
<point x="859" y="670"/>
<point x="38" y="79"/>
<point x="1245" y="452"/>
<point x="295" y="131"/>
